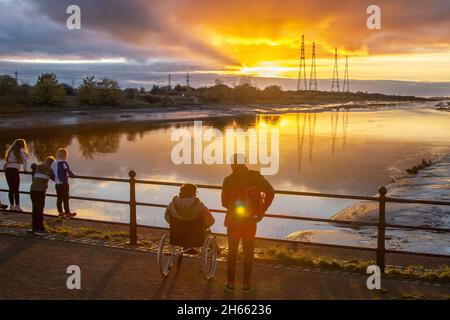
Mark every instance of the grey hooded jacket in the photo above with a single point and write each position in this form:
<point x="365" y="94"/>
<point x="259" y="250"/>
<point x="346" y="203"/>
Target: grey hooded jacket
<point x="188" y="209"/>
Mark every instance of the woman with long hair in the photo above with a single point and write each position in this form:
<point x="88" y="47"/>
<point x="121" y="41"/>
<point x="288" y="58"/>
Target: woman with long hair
<point x="16" y="157"/>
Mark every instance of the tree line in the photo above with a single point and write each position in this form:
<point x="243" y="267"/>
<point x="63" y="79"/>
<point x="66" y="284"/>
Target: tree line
<point x="103" y="92"/>
<point x="48" y="91"/>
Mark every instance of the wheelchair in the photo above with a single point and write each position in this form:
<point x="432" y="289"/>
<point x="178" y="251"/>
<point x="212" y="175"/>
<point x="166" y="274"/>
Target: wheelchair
<point x="182" y="238"/>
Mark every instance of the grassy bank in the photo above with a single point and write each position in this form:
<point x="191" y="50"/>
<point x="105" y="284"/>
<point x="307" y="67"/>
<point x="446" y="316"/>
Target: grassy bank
<point x="49" y="94"/>
<point x="200" y="99"/>
<point x="276" y="254"/>
<point x="290" y="257"/>
<point x="20" y="109"/>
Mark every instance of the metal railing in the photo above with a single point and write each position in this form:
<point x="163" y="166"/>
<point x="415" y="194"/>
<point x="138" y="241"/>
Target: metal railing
<point x="381" y="225"/>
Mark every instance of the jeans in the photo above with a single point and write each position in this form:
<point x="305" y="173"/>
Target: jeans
<point x="38" y="201"/>
<point x="62" y="198"/>
<point x="13" y="180"/>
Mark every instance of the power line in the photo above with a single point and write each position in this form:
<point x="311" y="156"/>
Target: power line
<point x="346" y="87"/>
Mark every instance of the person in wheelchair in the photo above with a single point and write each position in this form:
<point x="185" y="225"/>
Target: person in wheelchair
<point x="189" y="219"/>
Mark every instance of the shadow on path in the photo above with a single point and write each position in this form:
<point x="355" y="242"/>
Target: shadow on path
<point x="100" y="288"/>
<point x="14" y="249"/>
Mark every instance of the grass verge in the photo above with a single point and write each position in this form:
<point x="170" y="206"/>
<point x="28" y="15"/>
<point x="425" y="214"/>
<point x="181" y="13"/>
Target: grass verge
<point x="277" y="255"/>
<point x="291" y="257"/>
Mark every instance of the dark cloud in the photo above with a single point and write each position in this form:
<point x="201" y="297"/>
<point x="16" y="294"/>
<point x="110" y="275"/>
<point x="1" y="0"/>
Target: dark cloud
<point x="109" y="29"/>
<point x="184" y="31"/>
<point x="147" y="26"/>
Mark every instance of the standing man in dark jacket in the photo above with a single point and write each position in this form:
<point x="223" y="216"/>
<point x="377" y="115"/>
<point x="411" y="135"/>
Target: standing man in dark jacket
<point x="246" y="195"/>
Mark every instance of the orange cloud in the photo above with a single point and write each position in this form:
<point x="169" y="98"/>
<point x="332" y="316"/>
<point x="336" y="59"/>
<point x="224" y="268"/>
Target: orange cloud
<point x="260" y="37"/>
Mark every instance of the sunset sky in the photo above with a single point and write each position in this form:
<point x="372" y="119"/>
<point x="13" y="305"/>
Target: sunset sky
<point x="260" y="37"/>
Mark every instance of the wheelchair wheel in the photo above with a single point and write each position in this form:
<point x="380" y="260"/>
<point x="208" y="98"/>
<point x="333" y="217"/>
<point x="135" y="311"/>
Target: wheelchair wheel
<point x="166" y="256"/>
<point x="209" y="256"/>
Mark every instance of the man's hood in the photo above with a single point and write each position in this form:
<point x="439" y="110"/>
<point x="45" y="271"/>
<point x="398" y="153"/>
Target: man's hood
<point x="185" y="208"/>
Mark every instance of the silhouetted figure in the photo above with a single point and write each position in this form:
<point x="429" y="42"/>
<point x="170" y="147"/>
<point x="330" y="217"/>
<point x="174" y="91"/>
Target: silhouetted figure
<point x="42" y="173"/>
<point x="188" y="218"/>
<point x="246" y="195"/>
<point x="62" y="172"/>
<point x="16" y="157"/>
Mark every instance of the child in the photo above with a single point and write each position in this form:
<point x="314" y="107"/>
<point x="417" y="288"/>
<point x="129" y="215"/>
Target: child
<point x="16" y="156"/>
<point x="41" y="174"/>
<point x="61" y="171"/>
<point x="187" y="212"/>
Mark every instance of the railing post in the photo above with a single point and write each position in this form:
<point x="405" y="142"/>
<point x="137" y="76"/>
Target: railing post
<point x="381" y="229"/>
<point x="133" y="222"/>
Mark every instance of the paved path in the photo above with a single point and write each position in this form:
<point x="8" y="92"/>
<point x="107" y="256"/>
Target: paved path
<point x="35" y="268"/>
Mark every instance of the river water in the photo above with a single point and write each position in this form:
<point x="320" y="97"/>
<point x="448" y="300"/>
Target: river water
<point x="352" y="152"/>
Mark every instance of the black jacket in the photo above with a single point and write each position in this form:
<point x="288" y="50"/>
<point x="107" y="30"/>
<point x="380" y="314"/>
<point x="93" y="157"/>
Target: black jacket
<point x="235" y="187"/>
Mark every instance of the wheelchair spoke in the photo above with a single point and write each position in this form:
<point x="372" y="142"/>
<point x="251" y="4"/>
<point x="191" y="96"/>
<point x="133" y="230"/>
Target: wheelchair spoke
<point x="165" y="256"/>
<point x="209" y="257"/>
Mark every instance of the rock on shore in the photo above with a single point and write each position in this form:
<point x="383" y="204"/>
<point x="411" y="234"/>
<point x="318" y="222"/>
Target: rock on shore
<point x="431" y="183"/>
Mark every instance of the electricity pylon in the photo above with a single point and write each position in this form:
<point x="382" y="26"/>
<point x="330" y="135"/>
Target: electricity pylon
<point x="335" y="82"/>
<point x="302" y="68"/>
<point x="313" y="77"/>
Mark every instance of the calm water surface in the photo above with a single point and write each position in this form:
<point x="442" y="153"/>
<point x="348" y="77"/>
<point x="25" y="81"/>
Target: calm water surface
<point x="340" y="152"/>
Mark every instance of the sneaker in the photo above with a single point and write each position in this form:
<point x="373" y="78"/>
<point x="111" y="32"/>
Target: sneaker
<point x="12" y="208"/>
<point x="228" y="288"/>
<point x="18" y="209"/>
<point x="61" y="215"/>
<point x="70" y="215"/>
<point x="248" y="289"/>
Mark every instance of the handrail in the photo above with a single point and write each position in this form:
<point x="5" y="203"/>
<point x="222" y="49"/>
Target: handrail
<point x="267" y="215"/>
<point x="282" y="192"/>
<point x="381" y="225"/>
